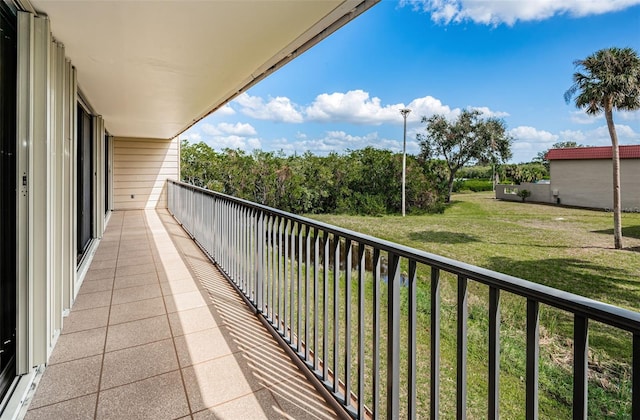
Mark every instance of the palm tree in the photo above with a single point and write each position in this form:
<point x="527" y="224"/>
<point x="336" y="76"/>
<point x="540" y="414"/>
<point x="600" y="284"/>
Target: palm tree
<point x="610" y="79"/>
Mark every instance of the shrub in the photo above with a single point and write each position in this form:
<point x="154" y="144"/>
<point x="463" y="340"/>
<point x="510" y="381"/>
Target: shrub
<point x="524" y="194"/>
<point x="475" y="185"/>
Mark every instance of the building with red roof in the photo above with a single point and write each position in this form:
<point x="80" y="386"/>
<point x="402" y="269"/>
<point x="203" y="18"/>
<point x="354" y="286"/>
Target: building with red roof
<point x="583" y="177"/>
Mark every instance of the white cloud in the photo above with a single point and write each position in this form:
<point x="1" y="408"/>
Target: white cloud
<point x="495" y="12"/>
<point x="581" y="117"/>
<point x="489" y="113"/>
<point x="231" y="142"/>
<point x="193" y="137"/>
<point x="339" y="141"/>
<point x="428" y="106"/>
<point x="528" y="141"/>
<point x="210" y="129"/>
<point x="238" y="129"/>
<point x="600" y="136"/>
<point x="225" y="110"/>
<point x="234" y="142"/>
<point x="357" y="107"/>
<point x="279" y="109"/>
<point x="254" y="143"/>
<point x="354" y="107"/>
<point x="532" y="135"/>
<point x="629" y="115"/>
<point x="573" y="135"/>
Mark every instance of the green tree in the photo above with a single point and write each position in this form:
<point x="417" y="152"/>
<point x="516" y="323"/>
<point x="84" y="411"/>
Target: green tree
<point x="469" y="139"/>
<point x="608" y="79"/>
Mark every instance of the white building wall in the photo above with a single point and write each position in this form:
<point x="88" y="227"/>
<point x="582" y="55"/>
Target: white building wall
<point x="589" y="183"/>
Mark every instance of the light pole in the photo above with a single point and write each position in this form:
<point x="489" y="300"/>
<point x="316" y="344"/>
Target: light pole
<point x="404" y="112"/>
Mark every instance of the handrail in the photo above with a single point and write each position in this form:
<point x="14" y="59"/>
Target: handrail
<point x="299" y="274"/>
<point x="593" y="309"/>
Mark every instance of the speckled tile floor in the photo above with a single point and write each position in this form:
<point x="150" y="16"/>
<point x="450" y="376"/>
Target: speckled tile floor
<point x="157" y="333"/>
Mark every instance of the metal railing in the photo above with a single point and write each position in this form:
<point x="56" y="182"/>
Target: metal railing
<point x="347" y="304"/>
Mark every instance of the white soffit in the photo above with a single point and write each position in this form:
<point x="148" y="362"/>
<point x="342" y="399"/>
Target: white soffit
<point x="153" y="68"/>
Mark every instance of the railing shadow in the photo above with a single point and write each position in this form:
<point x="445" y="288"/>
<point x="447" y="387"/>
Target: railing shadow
<point x="262" y="369"/>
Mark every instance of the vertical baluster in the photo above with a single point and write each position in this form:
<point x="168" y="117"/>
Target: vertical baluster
<point x="267" y="266"/>
<point x="347" y="318"/>
<point x="299" y="292"/>
<point x="413" y="327"/>
<point x="325" y="308"/>
<point x="286" y="280"/>
<point x="580" y="367"/>
<point x="281" y="226"/>
<point x="247" y="260"/>
<point x="234" y="246"/>
<point x="307" y="270"/>
<point x="336" y="312"/>
<point x="533" y="352"/>
<point x="393" y="338"/>
<point x="241" y="258"/>
<point x="376" y="333"/>
<point x="274" y="283"/>
<point x="252" y="254"/>
<point x="260" y="261"/>
<point x="494" y="353"/>
<point x="291" y="284"/>
<point x="274" y="269"/>
<point x="635" y="377"/>
<point x="361" y="362"/>
<point x="435" y="343"/>
<point x="461" y="377"/>
<point x="316" y="265"/>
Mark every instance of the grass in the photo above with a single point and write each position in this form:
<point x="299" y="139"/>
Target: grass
<point x="568" y="249"/>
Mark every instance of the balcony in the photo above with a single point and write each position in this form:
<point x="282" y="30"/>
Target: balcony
<point x="222" y="304"/>
<point x="157" y="332"/>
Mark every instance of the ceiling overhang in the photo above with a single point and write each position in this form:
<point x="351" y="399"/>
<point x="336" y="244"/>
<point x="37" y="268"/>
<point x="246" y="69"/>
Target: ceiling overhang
<point x="154" y="68"/>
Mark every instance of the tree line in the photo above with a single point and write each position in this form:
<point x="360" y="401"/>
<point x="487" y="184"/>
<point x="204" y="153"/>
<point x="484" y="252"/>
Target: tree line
<point x="366" y="181"/>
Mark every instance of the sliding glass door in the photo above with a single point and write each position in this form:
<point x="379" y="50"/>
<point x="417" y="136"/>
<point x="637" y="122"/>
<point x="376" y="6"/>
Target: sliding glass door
<point x="85" y="181"/>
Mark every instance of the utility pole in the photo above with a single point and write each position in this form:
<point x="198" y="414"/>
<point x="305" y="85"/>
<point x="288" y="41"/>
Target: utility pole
<point x="404" y="112"/>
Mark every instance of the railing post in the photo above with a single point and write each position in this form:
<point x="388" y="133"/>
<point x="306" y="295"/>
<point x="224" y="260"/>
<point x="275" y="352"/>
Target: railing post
<point x="361" y="326"/>
<point x="347" y="321"/>
<point x="435" y="343"/>
<point x="461" y="377"/>
<point x="336" y="312"/>
<point x="307" y="271"/>
<point x="259" y="261"/>
<point x="494" y="353"/>
<point x="580" y="367"/>
<point x="376" y="332"/>
<point x="533" y="353"/>
<point x="393" y="338"/>
<point x="316" y="266"/>
<point x="635" y="377"/>
<point x="413" y="328"/>
<point x="325" y="307"/>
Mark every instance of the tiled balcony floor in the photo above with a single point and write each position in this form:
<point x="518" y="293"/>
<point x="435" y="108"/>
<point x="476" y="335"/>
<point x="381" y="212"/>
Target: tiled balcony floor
<point x="157" y="333"/>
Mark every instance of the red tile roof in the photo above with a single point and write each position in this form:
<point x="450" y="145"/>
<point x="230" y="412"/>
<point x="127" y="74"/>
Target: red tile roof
<point x="626" y="152"/>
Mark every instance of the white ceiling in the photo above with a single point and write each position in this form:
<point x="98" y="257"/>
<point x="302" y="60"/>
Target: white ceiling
<point x="153" y="68"/>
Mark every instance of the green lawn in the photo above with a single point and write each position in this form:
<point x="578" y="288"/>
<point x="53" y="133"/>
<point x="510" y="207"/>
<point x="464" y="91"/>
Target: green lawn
<point x="564" y="248"/>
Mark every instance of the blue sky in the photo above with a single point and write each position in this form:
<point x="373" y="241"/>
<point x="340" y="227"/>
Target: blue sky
<point x="511" y="59"/>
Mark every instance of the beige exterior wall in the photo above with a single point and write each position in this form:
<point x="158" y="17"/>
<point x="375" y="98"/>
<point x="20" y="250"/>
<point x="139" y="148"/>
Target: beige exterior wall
<point x="589" y="183"/>
<point x="540" y="193"/>
<point x="141" y="168"/>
